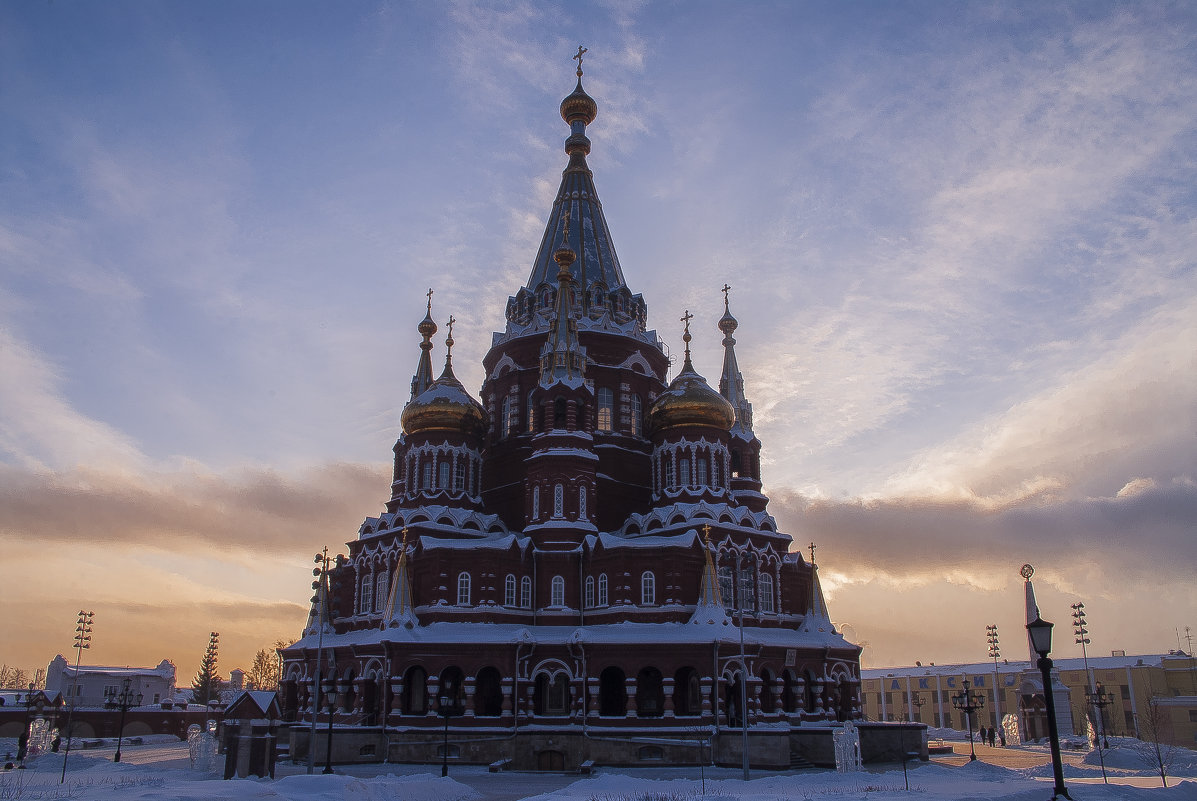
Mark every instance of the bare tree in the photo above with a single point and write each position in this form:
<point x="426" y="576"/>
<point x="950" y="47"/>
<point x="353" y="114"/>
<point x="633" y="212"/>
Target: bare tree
<point x="1155" y="729"/>
<point x="12" y="677"/>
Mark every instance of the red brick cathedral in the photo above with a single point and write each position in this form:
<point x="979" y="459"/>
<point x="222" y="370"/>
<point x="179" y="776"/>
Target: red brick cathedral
<point x="580" y="565"/>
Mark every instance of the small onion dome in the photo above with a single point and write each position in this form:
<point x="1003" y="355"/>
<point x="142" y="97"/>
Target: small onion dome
<point x="690" y="401"/>
<point x="427" y="327"/>
<point x="444" y="406"/>
<point x="727" y="323"/>
<point x="579" y="106"/>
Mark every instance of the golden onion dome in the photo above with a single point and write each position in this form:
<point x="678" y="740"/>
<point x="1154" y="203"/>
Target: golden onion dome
<point x="690" y="401"/>
<point x="445" y="405"/>
<point x="579" y="106"/>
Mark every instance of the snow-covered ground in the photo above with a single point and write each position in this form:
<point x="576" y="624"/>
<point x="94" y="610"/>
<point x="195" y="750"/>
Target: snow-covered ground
<point x="161" y="772"/>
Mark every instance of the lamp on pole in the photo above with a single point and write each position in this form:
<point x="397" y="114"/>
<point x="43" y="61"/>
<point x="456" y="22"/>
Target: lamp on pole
<point x="1041" y="640"/>
<point x="26" y="732"/>
<point x="330" y="692"/>
<point x="995" y="651"/>
<point x="122" y="700"/>
<point x="82" y="642"/>
<point x="445" y="708"/>
<point x="968" y="703"/>
<point x="1099" y="700"/>
<point x="916" y="701"/>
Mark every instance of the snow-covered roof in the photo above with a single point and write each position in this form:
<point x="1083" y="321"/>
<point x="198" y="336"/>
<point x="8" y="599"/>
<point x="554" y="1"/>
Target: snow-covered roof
<point x="987" y="667"/>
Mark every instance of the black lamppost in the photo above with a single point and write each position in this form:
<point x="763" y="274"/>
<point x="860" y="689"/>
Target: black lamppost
<point x="26" y="733"/>
<point x="445" y="707"/>
<point x="330" y="692"/>
<point x="1041" y="640"/>
<point x="122" y="700"/>
<point x="917" y="702"/>
<point x="968" y="703"/>
<point x="1100" y="700"/>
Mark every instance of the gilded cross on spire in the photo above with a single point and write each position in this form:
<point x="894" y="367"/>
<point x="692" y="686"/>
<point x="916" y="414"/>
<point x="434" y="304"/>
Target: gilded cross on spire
<point x="449" y="339"/>
<point x="686" y="318"/>
<point x="812" y="553"/>
<point x="430" y="300"/>
<point x="725" y="290"/>
<point x="578" y="58"/>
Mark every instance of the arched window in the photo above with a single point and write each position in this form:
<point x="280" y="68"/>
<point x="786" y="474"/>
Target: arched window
<point x="509" y="590"/>
<point x="526" y="593"/>
<point x="381" y="591"/>
<point x="415" y="692"/>
<point x="558" y="596"/>
<point x="648" y="588"/>
<point x="582" y="503"/>
<point x="442" y="474"/>
<point x="602" y="595"/>
<point x="737" y="465"/>
<point x="670" y="482"/>
<point x="367" y="597"/>
<point x="535" y="503"/>
<point x="426" y="483"/>
<point x="558" y="501"/>
<point x="726" y="585"/>
<point x="701" y="472"/>
<point x="747" y="596"/>
<point x="463" y="589"/>
<point x="684" y="471"/>
<point x="511" y="415"/>
<point x="459" y="472"/>
<point x="766" y="593"/>
<point x="589" y="600"/>
<point x="637" y="417"/>
<point x="606" y="409"/>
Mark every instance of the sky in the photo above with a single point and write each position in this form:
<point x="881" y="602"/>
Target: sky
<point x="960" y="237"/>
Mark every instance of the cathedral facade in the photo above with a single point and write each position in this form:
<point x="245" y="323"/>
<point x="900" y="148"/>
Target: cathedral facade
<point x="579" y="565"/>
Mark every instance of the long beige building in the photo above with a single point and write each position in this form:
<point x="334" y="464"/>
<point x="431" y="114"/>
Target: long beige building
<point x="1148" y="691"/>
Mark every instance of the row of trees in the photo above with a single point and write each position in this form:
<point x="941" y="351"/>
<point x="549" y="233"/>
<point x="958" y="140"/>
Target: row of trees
<point x="15" y="678"/>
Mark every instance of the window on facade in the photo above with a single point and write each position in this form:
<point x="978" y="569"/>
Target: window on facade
<point x="766" y="593"/>
<point x="509" y="591"/>
<point x="459" y="474"/>
<point x="648" y="588"/>
<point x="558" y="596"/>
<point x="637" y="417"/>
<point x="684" y="470"/>
<point x="367" y="599"/>
<point x="606" y="409"/>
<point x="442" y="474"/>
<point x="602" y="593"/>
<point x="512" y="423"/>
<point x="559" y="413"/>
<point x="463" y="589"/>
<point x="381" y="591"/>
<point x="535" y="502"/>
<point x="745" y="598"/>
<point x="426" y="483"/>
<point x="726" y="584"/>
<point x="715" y="471"/>
<point x="526" y="593"/>
<point x="558" y="695"/>
<point x="670" y="483"/>
<point x="581" y="503"/>
<point x="589" y="598"/>
<point x="558" y="501"/>
<point x="701" y="472"/>
<point x="736" y="465"/>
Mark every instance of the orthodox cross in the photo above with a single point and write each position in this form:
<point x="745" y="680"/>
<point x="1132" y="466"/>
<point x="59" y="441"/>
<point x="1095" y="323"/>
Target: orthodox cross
<point x="578" y="58"/>
<point x="430" y="300"/>
<point x="686" y="318"/>
<point x="449" y="339"/>
<point x="706" y="534"/>
<point x="725" y="290"/>
<point x="812" y="553"/>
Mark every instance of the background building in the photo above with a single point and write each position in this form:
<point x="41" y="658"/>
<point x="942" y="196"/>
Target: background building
<point x="1132" y="681"/>
<point x="97" y="682"/>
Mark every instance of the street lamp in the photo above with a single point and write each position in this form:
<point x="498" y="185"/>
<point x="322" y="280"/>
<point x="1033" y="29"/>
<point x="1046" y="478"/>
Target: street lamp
<point x="917" y="702"/>
<point x="995" y="651"/>
<point x="26" y="732"/>
<point x="968" y="703"/>
<point x="445" y="707"/>
<point x="122" y="700"/>
<point x="1041" y="640"/>
<point x="330" y="692"/>
<point x="1100" y="700"/>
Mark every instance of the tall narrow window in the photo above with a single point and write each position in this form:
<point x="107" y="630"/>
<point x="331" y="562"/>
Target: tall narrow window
<point x="589" y="599"/>
<point x="367" y="597"/>
<point x="582" y="503"/>
<point x="684" y="469"/>
<point x="558" y="596"/>
<point x="766" y="593"/>
<point x="559" y="414"/>
<point x="381" y="587"/>
<point x="558" y="501"/>
<point x="512" y="415"/>
<point x="426" y="483"/>
<point x="535" y="503"/>
<point x="747" y="596"/>
<point x="606" y="409"/>
<point x="637" y="417"/>
<point x="701" y="470"/>
<point x="459" y="471"/>
<point x="648" y="588"/>
<point x="463" y="589"/>
<point x="726" y="585"/>
<point x="509" y="590"/>
<point x="442" y="470"/>
<point x="670" y="483"/>
<point x="526" y="593"/>
<point x="602" y="595"/>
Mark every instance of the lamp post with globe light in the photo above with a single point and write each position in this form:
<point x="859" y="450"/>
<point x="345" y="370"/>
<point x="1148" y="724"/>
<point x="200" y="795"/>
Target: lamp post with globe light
<point x="1041" y="640"/>
<point x="122" y="699"/>
<point x="968" y="703"/>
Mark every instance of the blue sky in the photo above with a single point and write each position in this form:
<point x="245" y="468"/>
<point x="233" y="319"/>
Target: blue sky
<point x="960" y="239"/>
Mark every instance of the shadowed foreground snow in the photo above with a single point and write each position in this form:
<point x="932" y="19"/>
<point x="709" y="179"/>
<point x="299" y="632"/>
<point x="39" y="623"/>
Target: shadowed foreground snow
<point x="95" y="777"/>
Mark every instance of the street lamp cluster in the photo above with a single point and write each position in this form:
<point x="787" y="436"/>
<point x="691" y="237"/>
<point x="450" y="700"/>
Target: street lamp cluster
<point x="122" y="699"/>
<point x="968" y="703"/>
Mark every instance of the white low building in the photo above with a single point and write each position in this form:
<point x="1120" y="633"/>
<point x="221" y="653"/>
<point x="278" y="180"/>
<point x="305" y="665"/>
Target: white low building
<point x="92" y="685"/>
